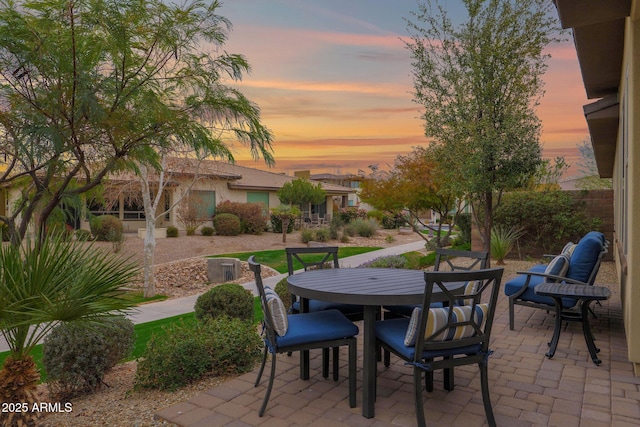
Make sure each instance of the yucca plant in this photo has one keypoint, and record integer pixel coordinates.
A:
(502, 241)
(44, 284)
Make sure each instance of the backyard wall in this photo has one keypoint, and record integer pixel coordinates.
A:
(599, 204)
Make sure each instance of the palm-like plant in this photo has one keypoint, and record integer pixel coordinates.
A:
(502, 240)
(43, 284)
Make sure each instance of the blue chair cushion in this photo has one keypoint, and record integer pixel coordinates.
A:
(306, 328)
(393, 331)
(585, 256)
(317, 305)
(514, 285)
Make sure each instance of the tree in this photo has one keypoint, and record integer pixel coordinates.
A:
(548, 174)
(90, 86)
(414, 186)
(588, 169)
(301, 192)
(480, 83)
(56, 281)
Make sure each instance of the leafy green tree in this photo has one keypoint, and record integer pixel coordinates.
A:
(588, 169)
(479, 83)
(55, 281)
(94, 86)
(301, 192)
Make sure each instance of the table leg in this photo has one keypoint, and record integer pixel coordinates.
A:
(304, 354)
(586, 330)
(369, 362)
(556, 331)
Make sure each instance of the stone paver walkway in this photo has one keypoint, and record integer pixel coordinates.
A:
(527, 389)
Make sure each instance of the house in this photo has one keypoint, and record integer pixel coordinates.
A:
(607, 40)
(345, 180)
(212, 182)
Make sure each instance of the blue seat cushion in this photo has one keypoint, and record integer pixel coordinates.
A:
(393, 331)
(317, 305)
(306, 328)
(514, 285)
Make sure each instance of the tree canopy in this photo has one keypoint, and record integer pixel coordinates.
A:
(479, 83)
(301, 191)
(88, 86)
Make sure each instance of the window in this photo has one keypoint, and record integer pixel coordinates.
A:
(259, 197)
(206, 203)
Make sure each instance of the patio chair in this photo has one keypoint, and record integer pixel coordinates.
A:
(446, 337)
(578, 264)
(284, 333)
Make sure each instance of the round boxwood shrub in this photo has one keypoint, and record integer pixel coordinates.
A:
(172, 231)
(76, 356)
(228, 299)
(106, 228)
(226, 224)
(234, 345)
(207, 231)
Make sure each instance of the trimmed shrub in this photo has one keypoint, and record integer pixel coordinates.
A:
(322, 234)
(106, 228)
(252, 220)
(389, 261)
(77, 356)
(228, 299)
(172, 231)
(392, 222)
(188, 351)
(306, 235)
(351, 213)
(207, 231)
(227, 224)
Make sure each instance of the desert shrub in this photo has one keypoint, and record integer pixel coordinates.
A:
(548, 219)
(76, 356)
(207, 231)
(376, 214)
(228, 299)
(391, 222)
(283, 211)
(502, 241)
(172, 231)
(306, 235)
(174, 359)
(322, 234)
(351, 213)
(106, 228)
(188, 351)
(189, 213)
(252, 220)
(282, 289)
(344, 238)
(83, 235)
(464, 225)
(226, 224)
(389, 261)
(362, 228)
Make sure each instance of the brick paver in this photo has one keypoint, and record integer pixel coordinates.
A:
(527, 388)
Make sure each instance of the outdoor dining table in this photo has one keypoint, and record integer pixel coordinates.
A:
(370, 287)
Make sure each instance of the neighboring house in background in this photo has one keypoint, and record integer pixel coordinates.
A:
(607, 40)
(215, 182)
(345, 180)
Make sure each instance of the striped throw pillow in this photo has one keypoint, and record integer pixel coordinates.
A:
(558, 266)
(437, 318)
(278, 311)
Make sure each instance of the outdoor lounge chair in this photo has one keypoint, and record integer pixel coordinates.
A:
(578, 264)
(446, 337)
(284, 333)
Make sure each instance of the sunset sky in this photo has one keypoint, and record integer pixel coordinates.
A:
(333, 80)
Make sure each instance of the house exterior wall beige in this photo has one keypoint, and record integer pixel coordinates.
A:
(627, 187)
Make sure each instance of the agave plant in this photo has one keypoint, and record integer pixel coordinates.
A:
(44, 284)
(502, 241)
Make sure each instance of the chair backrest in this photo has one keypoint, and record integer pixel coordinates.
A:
(457, 326)
(330, 257)
(458, 260)
(267, 317)
(587, 256)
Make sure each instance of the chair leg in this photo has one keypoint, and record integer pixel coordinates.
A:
(325, 363)
(264, 360)
(336, 362)
(387, 358)
(269, 387)
(417, 390)
(486, 399)
(511, 313)
(353, 356)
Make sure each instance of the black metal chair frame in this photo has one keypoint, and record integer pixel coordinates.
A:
(489, 282)
(274, 348)
(515, 299)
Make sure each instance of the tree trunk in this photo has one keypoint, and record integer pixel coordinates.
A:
(149, 253)
(488, 223)
(285, 227)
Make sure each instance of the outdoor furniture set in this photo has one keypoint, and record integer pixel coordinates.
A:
(454, 331)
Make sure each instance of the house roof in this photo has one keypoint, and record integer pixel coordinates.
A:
(598, 34)
(237, 177)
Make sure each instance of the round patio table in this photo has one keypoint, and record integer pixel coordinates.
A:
(372, 288)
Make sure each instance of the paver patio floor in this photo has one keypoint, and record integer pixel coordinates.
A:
(527, 388)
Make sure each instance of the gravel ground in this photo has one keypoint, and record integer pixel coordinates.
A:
(117, 404)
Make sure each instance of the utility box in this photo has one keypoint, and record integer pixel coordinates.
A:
(220, 270)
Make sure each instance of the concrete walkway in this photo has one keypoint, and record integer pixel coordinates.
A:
(177, 306)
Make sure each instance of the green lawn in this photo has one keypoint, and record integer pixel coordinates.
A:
(277, 259)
